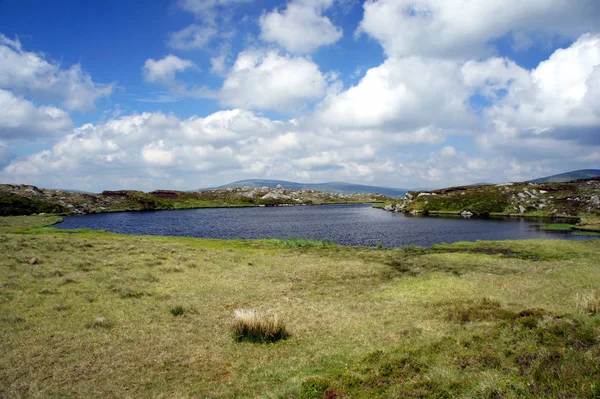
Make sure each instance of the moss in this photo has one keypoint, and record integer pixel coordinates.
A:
(557, 227)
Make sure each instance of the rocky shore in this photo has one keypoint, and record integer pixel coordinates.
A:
(571, 199)
(26, 199)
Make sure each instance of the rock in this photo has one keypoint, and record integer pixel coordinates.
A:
(521, 195)
(504, 184)
(408, 196)
(424, 194)
(398, 207)
(275, 196)
(543, 191)
(595, 200)
(33, 261)
(389, 208)
(466, 214)
(279, 187)
(522, 209)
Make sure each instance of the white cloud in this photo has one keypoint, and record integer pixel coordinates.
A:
(156, 154)
(28, 73)
(301, 27)
(153, 150)
(21, 119)
(448, 151)
(402, 94)
(192, 37)
(164, 70)
(270, 80)
(463, 28)
(555, 102)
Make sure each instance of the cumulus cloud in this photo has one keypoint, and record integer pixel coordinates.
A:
(558, 100)
(22, 119)
(29, 73)
(152, 150)
(164, 72)
(164, 69)
(400, 94)
(463, 28)
(301, 27)
(270, 80)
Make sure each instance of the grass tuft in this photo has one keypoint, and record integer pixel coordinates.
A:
(251, 326)
(100, 322)
(589, 302)
(484, 310)
(177, 310)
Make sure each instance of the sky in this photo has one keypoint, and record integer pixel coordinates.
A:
(186, 94)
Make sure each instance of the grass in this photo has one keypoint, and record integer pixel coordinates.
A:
(299, 243)
(20, 224)
(557, 227)
(589, 302)
(106, 315)
(249, 325)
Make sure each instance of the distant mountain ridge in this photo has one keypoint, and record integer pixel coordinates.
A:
(330, 187)
(569, 176)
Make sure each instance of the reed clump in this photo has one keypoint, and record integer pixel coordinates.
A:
(589, 302)
(252, 326)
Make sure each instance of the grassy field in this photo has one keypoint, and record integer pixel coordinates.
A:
(93, 314)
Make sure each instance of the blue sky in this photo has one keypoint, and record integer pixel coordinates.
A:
(193, 93)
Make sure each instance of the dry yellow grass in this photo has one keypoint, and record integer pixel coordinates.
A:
(589, 302)
(250, 325)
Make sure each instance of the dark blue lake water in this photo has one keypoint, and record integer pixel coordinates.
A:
(344, 224)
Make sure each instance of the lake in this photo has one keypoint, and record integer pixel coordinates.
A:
(344, 224)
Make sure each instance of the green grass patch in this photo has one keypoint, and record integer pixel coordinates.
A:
(557, 227)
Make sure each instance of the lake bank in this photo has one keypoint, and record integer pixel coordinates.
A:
(353, 225)
(94, 314)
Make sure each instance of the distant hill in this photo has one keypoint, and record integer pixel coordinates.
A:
(331, 187)
(569, 176)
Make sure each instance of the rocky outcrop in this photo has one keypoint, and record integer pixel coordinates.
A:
(544, 199)
(28, 199)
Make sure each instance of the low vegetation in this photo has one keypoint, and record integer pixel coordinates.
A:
(107, 315)
(13, 205)
(589, 302)
(557, 227)
(577, 201)
(252, 326)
